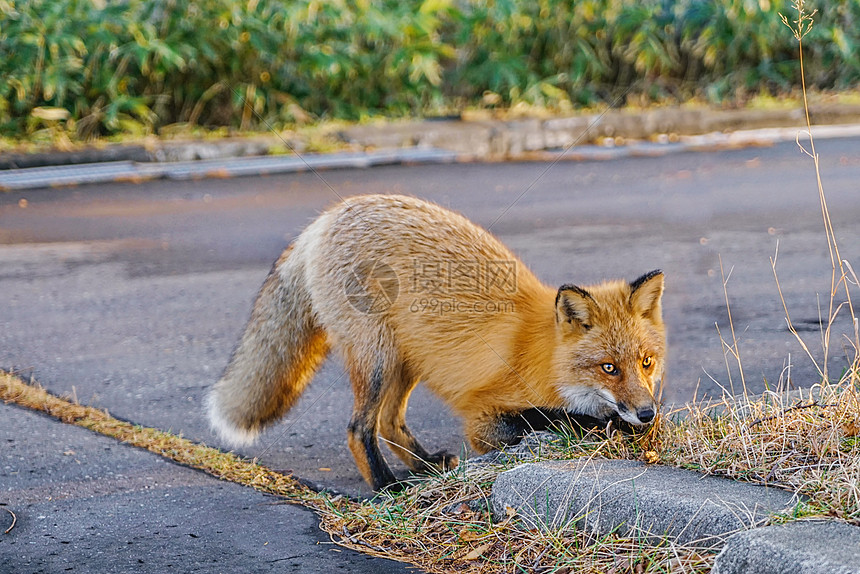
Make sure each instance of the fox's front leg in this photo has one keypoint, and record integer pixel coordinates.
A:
(395, 432)
(497, 430)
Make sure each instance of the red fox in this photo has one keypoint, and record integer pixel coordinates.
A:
(408, 291)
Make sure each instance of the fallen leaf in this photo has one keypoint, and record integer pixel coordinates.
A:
(650, 457)
(477, 552)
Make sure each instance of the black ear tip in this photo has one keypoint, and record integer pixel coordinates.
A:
(634, 285)
(576, 289)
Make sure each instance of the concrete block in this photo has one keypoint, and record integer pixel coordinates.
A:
(803, 547)
(635, 499)
(220, 149)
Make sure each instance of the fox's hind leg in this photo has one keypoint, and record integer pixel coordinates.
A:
(369, 382)
(393, 428)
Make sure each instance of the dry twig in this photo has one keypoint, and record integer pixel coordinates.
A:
(14, 521)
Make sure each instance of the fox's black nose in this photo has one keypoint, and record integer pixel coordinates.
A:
(645, 415)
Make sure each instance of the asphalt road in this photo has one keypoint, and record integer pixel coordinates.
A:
(85, 504)
(131, 297)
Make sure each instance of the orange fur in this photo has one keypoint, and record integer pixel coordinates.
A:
(407, 291)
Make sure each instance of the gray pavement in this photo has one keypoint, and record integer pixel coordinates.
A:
(132, 296)
(86, 503)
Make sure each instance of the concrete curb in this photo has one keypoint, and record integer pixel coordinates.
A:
(620, 133)
(675, 505)
(162, 151)
(804, 547)
(634, 499)
(506, 139)
(119, 171)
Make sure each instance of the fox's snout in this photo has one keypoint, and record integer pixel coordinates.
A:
(641, 415)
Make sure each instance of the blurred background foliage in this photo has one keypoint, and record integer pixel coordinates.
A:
(135, 66)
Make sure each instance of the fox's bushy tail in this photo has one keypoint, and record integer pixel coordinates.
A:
(280, 350)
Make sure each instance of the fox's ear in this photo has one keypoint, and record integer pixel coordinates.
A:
(646, 293)
(573, 306)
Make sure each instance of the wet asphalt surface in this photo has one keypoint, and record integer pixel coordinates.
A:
(131, 298)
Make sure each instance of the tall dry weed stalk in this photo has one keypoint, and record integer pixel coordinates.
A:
(810, 446)
(842, 275)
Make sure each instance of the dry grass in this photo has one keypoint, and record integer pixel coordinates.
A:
(445, 523)
(805, 445)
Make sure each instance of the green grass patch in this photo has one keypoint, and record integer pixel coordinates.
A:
(95, 68)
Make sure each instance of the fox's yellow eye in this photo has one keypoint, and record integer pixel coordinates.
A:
(609, 368)
(647, 362)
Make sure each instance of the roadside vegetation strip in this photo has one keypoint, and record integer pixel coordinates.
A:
(223, 465)
(806, 445)
(90, 69)
(810, 446)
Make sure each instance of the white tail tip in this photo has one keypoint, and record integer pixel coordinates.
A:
(224, 428)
